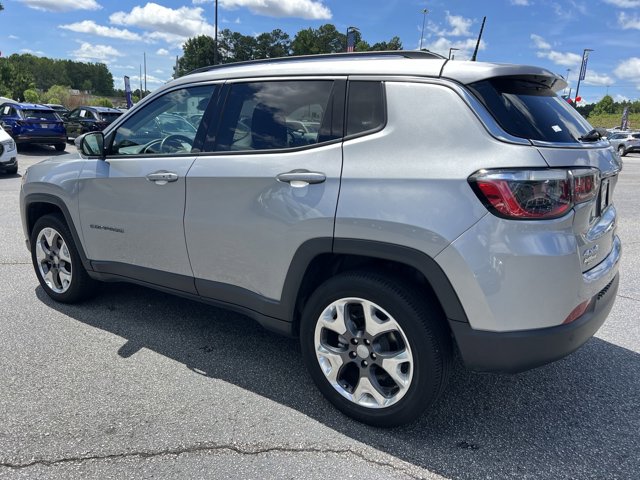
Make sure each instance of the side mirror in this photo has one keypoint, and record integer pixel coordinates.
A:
(91, 144)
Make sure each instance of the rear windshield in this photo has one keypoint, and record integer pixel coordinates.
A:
(528, 109)
(40, 115)
(109, 116)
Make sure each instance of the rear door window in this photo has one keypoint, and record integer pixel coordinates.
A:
(529, 109)
(276, 115)
(365, 107)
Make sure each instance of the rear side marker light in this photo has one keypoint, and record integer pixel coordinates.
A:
(577, 312)
(534, 194)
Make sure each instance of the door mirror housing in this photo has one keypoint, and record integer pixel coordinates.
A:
(91, 144)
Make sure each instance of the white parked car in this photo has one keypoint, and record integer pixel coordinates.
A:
(8, 153)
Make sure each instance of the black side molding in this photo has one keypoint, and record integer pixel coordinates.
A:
(53, 200)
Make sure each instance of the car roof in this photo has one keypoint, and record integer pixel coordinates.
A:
(405, 63)
(31, 106)
(99, 109)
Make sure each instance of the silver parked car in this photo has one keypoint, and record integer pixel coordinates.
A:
(383, 240)
(625, 142)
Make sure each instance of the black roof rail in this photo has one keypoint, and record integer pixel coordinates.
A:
(414, 54)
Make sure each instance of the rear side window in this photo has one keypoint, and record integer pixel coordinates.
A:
(636, 135)
(108, 116)
(529, 109)
(365, 107)
(275, 115)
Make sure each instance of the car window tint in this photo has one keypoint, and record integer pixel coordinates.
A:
(529, 109)
(108, 116)
(274, 115)
(636, 135)
(365, 107)
(166, 126)
(40, 115)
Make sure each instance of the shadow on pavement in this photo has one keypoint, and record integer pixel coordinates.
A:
(39, 151)
(577, 418)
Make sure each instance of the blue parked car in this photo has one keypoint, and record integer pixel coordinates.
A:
(29, 123)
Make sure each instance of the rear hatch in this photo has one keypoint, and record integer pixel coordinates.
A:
(526, 106)
(41, 123)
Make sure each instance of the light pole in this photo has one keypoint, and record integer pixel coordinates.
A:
(583, 70)
(451, 50)
(566, 79)
(424, 19)
(215, 37)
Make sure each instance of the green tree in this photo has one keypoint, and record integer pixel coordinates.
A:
(57, 94)
(325, 39)
(31, 96)
(272, 45)
(606, 105)
(102, 102)
(198, 52)
(393, 44)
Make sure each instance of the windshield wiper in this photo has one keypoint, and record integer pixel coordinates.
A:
(593, 136)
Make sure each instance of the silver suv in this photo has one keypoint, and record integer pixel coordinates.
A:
(383, 240)
(625, 142)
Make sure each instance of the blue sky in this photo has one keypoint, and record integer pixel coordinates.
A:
(549, 33)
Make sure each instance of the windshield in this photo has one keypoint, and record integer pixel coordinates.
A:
(528, 109)
(40, 115)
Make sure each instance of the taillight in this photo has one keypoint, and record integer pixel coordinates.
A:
(534, 194)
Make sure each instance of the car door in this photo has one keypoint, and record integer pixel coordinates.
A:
(132, 203)
(71, 123)
(265, 190)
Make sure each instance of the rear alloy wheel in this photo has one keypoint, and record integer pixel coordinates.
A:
(60, 147)
(57, 263)
(375, 348)
(621, 151)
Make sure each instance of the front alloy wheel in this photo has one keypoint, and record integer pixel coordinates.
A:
(54, 260)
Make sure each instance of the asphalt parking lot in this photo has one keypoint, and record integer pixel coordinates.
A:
(138, 384)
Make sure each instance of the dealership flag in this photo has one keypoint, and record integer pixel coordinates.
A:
(127, 91)
(624, 125)
(351, 40)
(583, 68)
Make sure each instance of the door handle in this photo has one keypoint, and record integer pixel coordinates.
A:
(301, 178)
(162, 177)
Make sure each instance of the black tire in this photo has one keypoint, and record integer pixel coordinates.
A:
(621, 151)
(423, 324)
(60, 147)
(81, 285)
(12, 170)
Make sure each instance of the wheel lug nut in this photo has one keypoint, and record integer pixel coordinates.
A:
(366, 342)
(353, 354)
(373, 356)
(354, 341)
(365, 363)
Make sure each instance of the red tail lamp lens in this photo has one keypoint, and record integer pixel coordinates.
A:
(577, 312)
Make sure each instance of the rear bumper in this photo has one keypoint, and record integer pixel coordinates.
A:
(37, 139)
(513, 352)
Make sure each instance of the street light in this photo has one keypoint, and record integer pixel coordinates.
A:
(424, 19)
(583, 70)
(566, 79)
(450, 50)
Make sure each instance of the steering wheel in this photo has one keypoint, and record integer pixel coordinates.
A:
(174, 141)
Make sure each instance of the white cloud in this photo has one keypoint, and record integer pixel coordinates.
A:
(566, 59)
(465, 47)
(540, 42)
(628, 21)
(174, 26)
(90, 27)
(307, 9)
(600, 79)
(13, 37)
(62, 5)
(158, 71)
(459, 26)
(123, 67)
(624, 3)
(629, 69)
(162, 52)
(101, 53)
(521, 3)
(37, 53)
(621, 98)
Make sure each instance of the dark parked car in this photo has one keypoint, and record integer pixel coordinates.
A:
(30, 123)
(59, 109)
(89, 119)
